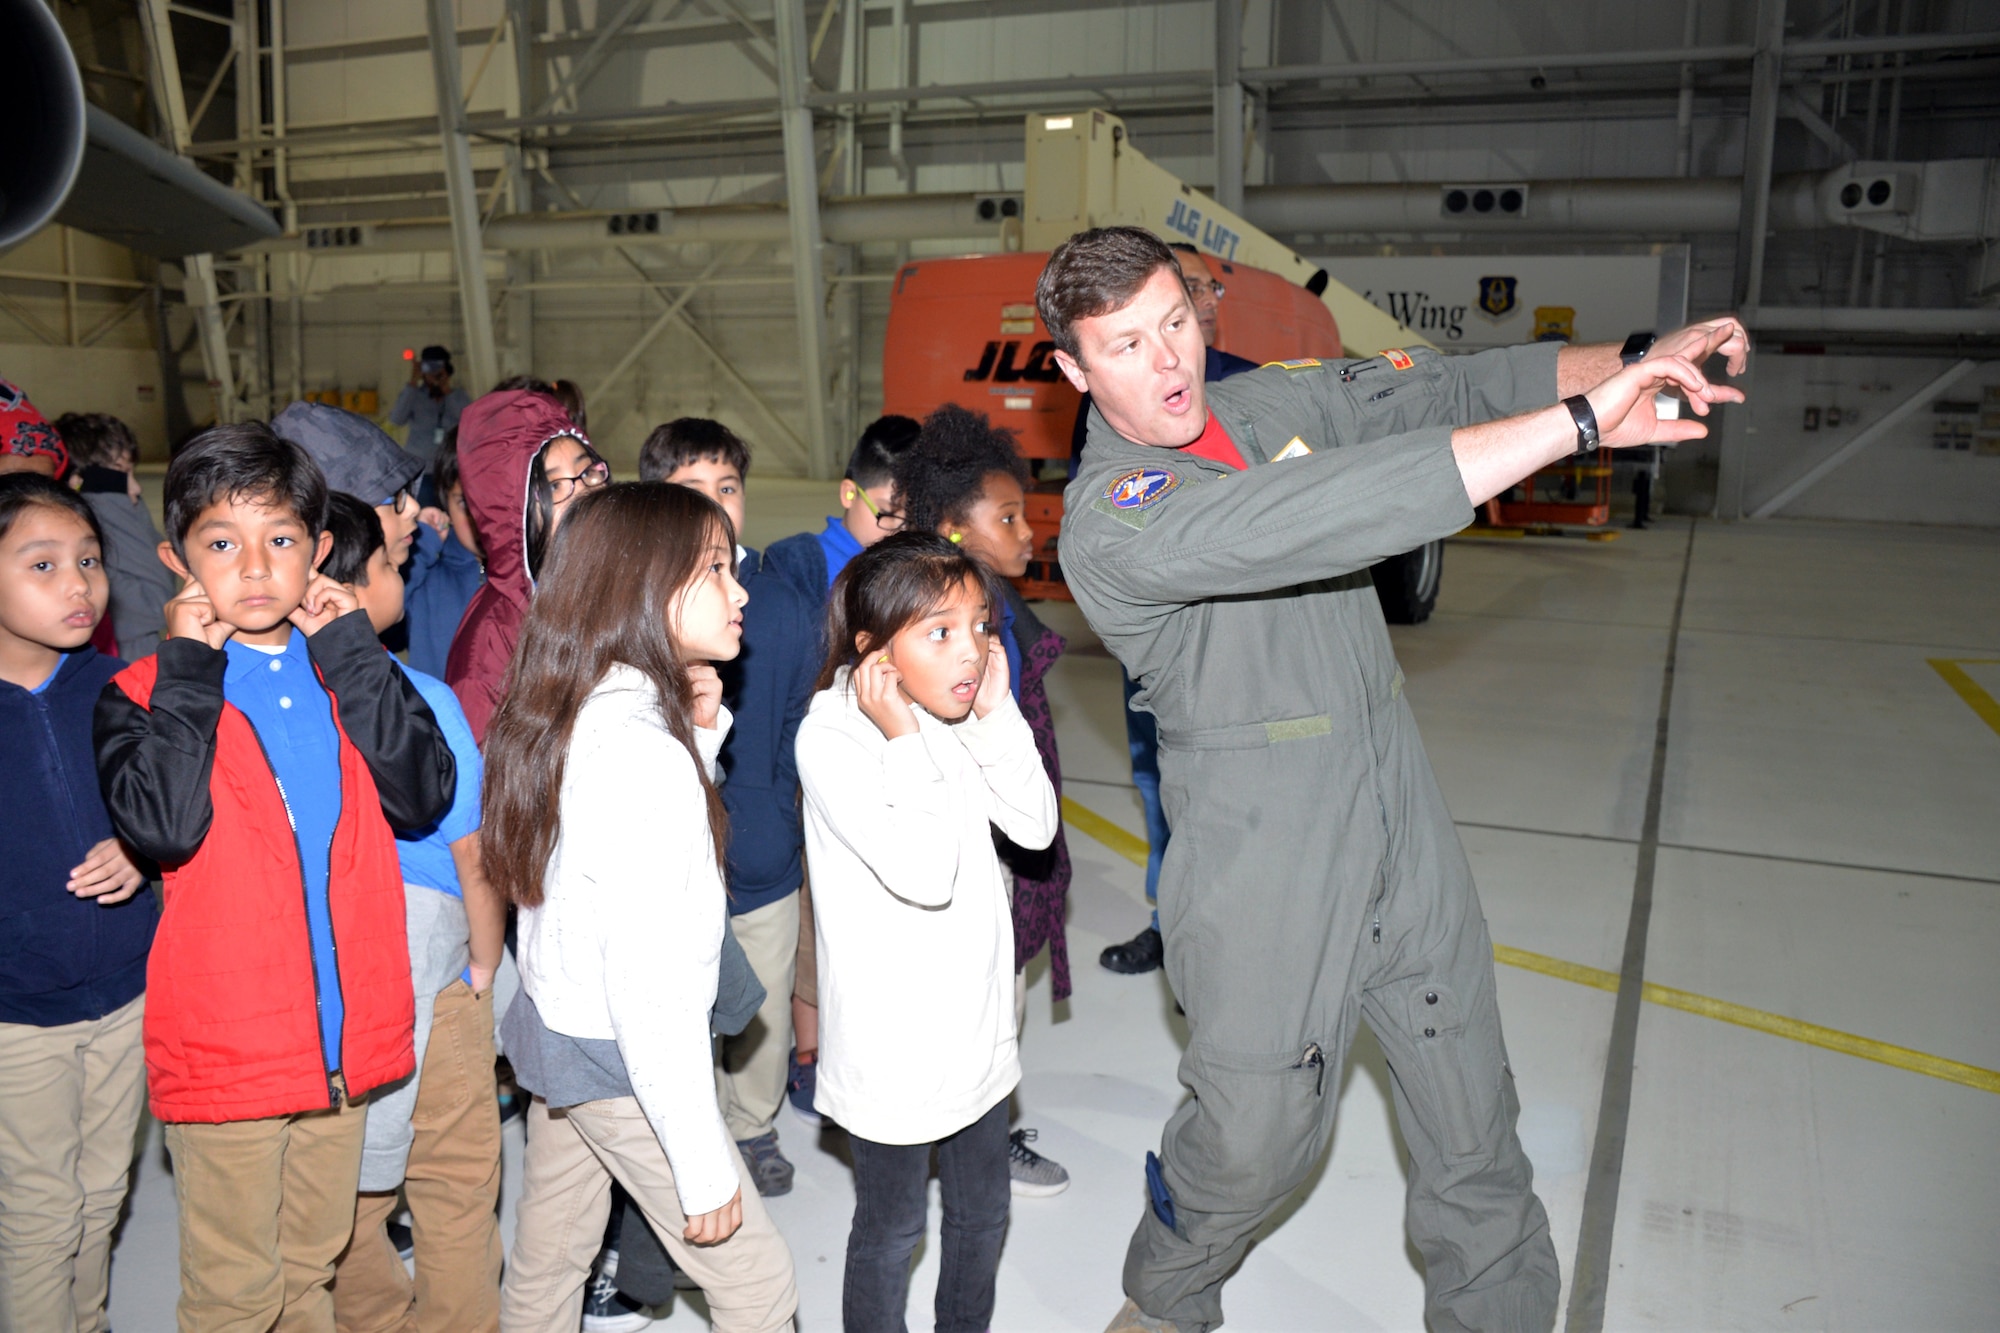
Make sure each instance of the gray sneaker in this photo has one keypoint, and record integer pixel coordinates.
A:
(1033, 1176)
(768, 1166)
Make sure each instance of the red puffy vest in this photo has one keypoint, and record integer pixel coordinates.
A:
(232, 1020)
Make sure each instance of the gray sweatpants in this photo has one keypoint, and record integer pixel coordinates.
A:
(1312, 882)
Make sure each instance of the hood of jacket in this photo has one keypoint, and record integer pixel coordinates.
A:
(498, 438)
(356, 455)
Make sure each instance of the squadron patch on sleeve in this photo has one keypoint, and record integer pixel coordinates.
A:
(1131, 494)
(1399, 358)
(1141, 487)
(1303, 363)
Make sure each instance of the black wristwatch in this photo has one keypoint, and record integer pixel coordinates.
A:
(1637, 346)
(1586, 423)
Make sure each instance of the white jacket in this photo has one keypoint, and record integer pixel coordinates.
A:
(627, 941)
(916, 940)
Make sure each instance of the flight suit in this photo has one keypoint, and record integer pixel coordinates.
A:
(1315, 875)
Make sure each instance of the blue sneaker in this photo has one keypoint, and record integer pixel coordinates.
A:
(800, 1083)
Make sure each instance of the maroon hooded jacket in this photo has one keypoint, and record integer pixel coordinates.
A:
(498, 439)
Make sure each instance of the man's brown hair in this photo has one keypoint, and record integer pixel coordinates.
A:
(1094, 272)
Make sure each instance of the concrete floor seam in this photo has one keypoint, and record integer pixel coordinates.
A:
(1590, 1273)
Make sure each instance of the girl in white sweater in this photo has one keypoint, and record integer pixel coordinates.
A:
(604, 828)
(910, 750)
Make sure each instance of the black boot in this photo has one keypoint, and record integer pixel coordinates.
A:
(1141, 953)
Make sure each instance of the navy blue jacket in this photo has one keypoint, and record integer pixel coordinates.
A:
(767, 689)
(63, 959)
(801, 561)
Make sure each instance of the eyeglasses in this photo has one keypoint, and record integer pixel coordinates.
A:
(1200, 287)
(402, 502)
(886, 519)
(592, 477)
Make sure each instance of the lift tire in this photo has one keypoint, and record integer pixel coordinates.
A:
(1407, 585)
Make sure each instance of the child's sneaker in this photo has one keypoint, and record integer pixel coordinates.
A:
(1033, 1176)
(609, 1310)
(801, 1081)
(400, 1235)
(768, 1166)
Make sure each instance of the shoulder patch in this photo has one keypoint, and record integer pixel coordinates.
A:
(1141, 488)
(1294, 448)
(1399, 358)
(1303, 363)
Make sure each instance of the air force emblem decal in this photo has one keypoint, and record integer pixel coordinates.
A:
(1496, 297)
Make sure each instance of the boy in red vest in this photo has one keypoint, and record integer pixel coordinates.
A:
(262, 768)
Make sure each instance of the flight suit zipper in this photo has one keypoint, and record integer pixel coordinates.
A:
(305, 897)
(1347, 375)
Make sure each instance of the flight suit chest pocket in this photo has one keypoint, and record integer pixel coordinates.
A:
(1460, 1055)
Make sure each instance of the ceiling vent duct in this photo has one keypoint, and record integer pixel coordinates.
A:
(1483, 201)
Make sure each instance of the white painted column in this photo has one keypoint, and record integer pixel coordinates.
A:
(802, 201)
(468, 254)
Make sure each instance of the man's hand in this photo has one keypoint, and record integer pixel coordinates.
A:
(107, 874)
(878, 688)
(190, 615)
(325, 602)
(1625, 409)
(718, 1226)
(1696, 343)
(707, 688)
(997, 683)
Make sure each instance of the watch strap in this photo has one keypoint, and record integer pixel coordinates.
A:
(1585, 417)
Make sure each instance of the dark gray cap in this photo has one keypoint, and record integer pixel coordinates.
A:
(356, 455)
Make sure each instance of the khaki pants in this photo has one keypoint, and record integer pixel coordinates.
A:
(453, 1185)
(805, 982)
(266, 1207)
(70, 1100)
(750, 1074)
(573, 1155)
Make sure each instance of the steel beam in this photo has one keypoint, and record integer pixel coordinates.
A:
(1229, 104)
(467, 253)
(200, 291)
(1759, 141)
(802, 210)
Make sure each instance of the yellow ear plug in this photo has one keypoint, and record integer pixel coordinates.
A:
(957, 537)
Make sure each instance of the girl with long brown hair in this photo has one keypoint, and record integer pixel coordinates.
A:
(603, 826)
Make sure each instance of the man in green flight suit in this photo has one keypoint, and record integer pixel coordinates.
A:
(1218, 538)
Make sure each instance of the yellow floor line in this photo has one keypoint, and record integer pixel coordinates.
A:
(1758, 1020)
(1133, 849)
(1969, 689)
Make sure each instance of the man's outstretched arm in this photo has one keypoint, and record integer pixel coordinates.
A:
(1587, 365)
(1494, 456)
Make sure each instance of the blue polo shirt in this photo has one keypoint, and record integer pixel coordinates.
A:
(281, 694)
(426, 852)
(839, 545)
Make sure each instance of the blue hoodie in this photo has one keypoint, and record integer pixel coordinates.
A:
(63, 959)
(438, 584)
